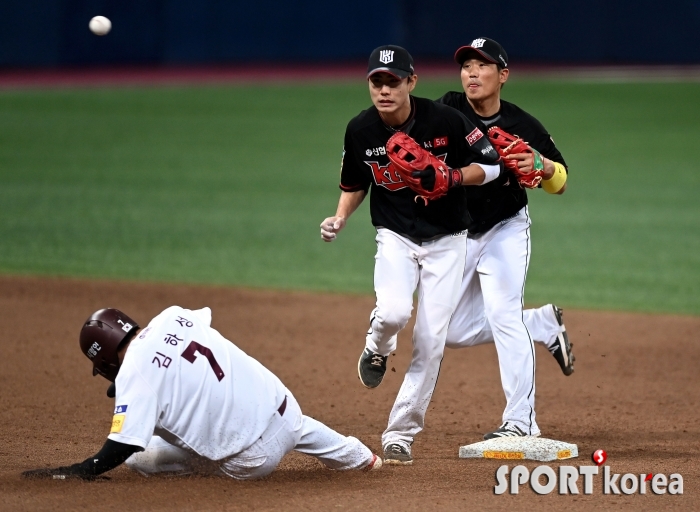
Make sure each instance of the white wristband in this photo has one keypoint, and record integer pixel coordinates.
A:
(491, 171)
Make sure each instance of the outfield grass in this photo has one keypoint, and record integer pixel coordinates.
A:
(228, 185)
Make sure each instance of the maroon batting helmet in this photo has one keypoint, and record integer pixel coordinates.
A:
(101, 337)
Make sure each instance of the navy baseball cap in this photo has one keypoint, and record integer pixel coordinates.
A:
(390, 59)
(489, 49)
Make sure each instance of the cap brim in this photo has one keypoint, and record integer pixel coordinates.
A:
(398, 73)
(464, 49)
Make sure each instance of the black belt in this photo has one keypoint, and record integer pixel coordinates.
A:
(283, 407)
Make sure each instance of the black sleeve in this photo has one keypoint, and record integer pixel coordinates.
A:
(109, 457)
(352, 177)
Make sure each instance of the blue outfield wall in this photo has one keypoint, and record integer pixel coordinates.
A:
(50, 33)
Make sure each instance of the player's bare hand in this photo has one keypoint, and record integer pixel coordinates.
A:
(330, 228)
(526, 162)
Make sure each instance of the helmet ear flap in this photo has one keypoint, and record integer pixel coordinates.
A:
(100, 338)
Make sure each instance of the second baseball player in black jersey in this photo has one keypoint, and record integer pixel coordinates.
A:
(498, 246)
(419, 246)
(503, 197)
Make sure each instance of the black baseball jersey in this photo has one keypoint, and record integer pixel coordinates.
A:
(446, 133)
(503, 197)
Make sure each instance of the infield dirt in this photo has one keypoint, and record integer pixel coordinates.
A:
(634, 394)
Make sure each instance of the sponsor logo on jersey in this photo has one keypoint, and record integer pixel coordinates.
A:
(381, 150)
(117, 423)
(478, 43)
(386, 56)
(440, 142)
(120, 409)
(486, 150)
(460, 233)
(474, 136)
(386, 177)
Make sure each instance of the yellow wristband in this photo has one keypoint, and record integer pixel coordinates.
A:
(557, 181)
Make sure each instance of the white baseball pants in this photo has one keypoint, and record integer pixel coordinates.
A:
(471, 331)
(491, 307)
(289, 431)
(434, 269)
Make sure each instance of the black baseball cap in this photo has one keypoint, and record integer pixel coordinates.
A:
(489, 49)
(390, 59)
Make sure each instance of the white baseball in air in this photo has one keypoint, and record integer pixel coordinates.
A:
(100, 26)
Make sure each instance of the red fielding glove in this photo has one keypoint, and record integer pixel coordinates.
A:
(507, 144)
(428, 176)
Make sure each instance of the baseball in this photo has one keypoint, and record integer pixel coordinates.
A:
(100, 26)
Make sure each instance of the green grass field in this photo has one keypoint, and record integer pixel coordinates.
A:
(228, 185)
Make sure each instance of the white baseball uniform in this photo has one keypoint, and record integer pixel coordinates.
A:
(492, 300)
(184, 382)
(498, 255)
(420, 245)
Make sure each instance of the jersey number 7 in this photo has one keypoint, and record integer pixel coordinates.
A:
(190, 354)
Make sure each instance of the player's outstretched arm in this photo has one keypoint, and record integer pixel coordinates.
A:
(347, 204)
(109, 457)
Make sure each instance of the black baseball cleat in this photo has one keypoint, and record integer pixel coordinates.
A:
(506, 430)
(371, 368)
(562, 349)
(397, 454)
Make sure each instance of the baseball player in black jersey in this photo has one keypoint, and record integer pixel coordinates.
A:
(419, 246)
(498, 246)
